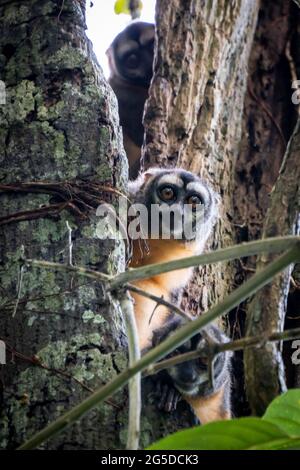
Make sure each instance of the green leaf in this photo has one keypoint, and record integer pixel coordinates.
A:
(243, 433)
(122, 6)
(284, 412)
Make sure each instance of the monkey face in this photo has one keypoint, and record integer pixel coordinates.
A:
(131, 54)
(192, 377)
(180, 205)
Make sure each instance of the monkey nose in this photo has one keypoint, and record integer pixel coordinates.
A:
(188, 375)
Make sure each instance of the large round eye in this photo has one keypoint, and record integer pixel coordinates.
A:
(194, 200)
(167, 193)
(132, 61)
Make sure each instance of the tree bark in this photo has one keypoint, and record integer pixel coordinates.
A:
(59, 124)
(204, 113)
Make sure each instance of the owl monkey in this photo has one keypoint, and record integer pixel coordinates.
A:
(180, 189)
(130, 58)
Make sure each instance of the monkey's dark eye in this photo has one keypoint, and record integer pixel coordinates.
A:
(167, 193)
(194, 200)
(132, 61)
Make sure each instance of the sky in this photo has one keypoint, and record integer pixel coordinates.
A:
(103, 25)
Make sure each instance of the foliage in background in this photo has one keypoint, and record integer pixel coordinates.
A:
(123, 6)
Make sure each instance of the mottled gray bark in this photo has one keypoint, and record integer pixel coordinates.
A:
(59, 124)
(264, 370)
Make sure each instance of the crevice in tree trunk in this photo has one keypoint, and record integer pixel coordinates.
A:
(269, 120)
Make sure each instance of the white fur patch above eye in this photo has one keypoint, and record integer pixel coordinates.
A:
(198, 188)
(146, 36)
(128, 46)
(171, 179)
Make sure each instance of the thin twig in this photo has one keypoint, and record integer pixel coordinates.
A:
(135, 382)
(36, 361)
(61, 9)
(20, 283)
(51, 209)
(9, 304)
(270, 115)
(160, 301)
(73, 269)
(293, 70)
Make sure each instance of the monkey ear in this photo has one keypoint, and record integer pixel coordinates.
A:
(150, 173)
(147, 175)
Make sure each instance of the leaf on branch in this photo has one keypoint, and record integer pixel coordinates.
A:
(123, 6)
(279, 428)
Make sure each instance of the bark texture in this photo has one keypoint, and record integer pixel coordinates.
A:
(59, 124)
(269, 119)
(264, 370)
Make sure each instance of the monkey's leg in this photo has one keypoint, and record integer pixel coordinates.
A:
(210, 408)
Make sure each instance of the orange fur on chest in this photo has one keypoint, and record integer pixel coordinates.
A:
(162, 251)
(162, 285)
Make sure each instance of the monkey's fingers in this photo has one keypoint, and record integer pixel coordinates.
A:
(169, 398)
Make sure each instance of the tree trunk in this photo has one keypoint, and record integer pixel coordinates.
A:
(264, 369)
(206, 115)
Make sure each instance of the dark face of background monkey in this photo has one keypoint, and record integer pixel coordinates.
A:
(131, 62)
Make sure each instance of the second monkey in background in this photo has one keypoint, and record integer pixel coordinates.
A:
(130, 59)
